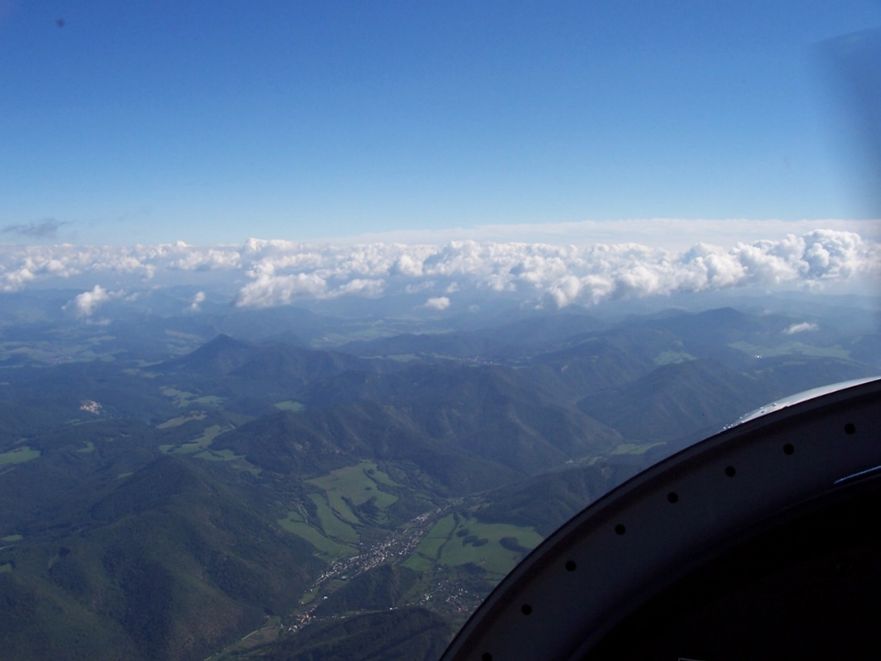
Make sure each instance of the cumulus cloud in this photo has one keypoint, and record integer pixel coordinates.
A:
(277, 272)
(800, 328)
(41, 229)
(438, 303)
(197, 301)
(268, 289)
(84, 305)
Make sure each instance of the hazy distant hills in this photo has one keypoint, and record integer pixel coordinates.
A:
(496, 412)
(272, 364)
(697, 395)
(289, 485)
(507, 339)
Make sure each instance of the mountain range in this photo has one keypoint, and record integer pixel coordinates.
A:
(185, 491)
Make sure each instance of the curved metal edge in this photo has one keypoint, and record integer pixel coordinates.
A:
(797, 398)
(566, 593)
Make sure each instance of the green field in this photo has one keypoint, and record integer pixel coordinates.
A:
(296, 524)
(6, 568)
(332, 522)
(182, 420)
(355, 485)
(196, 445)
(208, 400)
(431, 545)
(458, 540)
(236, 461)
(19, 455)
(183, 398)
(219, 455)
(334, 530)
(14, 537)
(291, 405)
(790, 348)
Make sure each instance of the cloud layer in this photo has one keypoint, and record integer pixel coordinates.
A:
(275, 272)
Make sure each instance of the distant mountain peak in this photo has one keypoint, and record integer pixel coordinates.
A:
(222, 353)
(223, 340)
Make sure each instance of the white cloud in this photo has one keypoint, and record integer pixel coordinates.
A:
(360, 287)
(438, 303)
(85, 304)
(267, 289)
(800, 328)
(198, 299)
(91, 406)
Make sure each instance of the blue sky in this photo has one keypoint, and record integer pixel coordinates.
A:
(212, 122)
